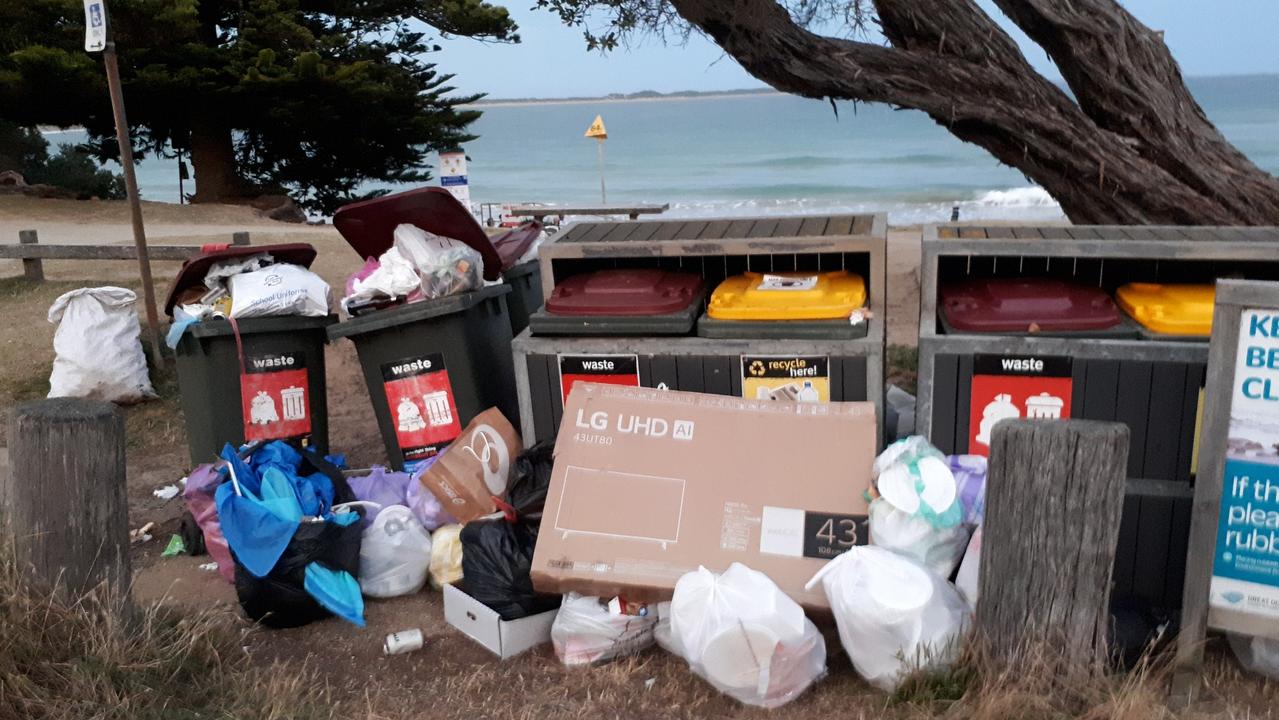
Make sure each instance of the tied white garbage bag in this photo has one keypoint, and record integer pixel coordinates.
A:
(281, 289)
(918, 512)
(395, 553)
(99, 353)
(1257, 654)
(968, 578)
(588, 632)
(893, 614)
(743, 635)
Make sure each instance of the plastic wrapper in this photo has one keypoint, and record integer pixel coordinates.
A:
(586, 632)
(280, 289)
(1257, 654)
(970, 483)
(98, 347)
(894, 615)
(496, 557)
(395, 553)
(744, 636)
(917, 511)
(967, 580)
(390, 276)
(220, 272)
(446, 556)
(383, 487)
(425, 506)
(444, 266)
(198, 495)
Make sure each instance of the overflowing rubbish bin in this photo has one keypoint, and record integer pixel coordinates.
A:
(250, 351)
(799, 316)
(435, 351)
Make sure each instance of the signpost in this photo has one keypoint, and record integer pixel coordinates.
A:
(1232, 566)
(96, 40)
(597, 131)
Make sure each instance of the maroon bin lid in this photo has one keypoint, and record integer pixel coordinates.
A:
(1014, 304)
(512, 244)
(369, 226)
(194, 270)
(624, 293)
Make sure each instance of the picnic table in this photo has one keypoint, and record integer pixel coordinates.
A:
(537, 212)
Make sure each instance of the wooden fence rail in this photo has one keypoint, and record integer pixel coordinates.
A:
(32, 253)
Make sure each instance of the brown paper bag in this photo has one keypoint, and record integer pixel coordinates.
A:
(475, 467)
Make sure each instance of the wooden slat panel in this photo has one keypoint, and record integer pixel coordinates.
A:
(840, 225)
(1178, 544)
(1199, 234)
(764, 228)
(1163, 424)
(740, 229)
(540, 389)
(853, 372)
(813, 226)
(1126, 549)
(1133, 408)
(668, 230)
(620, 232)
(1083, 233)
(999, 233)
(1026, 233)
(1078, 387)
(577, 231)
(1101, 390)
(1054, 232)
(689, 368)
(663, 371)
(691, 230)
(862, 224)
(963, 403)
(596, 233)
(735, 375)
(949, 233)
(645, 231)
(557, 397)
(945, 377)
(838, 393)
(1137, 232)
(973, 233)
(1153, 531)
(716, 375)
(37, 251)
(715, 230)
(788, 227)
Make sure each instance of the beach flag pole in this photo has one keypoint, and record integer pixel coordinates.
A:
(597, 131)
(96, 40)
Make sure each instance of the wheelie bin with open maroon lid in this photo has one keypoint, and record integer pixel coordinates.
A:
(622, 302)
(433, 365)
(277, 361)
(1031, 306)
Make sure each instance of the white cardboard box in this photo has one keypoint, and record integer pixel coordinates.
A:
(504, 638)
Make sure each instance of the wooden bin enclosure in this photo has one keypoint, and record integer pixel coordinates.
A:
(1153, 386)
(715, 249)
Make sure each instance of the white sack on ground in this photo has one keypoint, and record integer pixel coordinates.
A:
(894, 615)
(98, 347)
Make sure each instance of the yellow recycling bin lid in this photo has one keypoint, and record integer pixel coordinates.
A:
(788, 296)
(1169, 309)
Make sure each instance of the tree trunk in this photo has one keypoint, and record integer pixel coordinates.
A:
(213, 156)
(950, 60)
(64, 497)
(1054, 495)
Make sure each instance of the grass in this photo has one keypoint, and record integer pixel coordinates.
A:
(73, 660)
(902, 369)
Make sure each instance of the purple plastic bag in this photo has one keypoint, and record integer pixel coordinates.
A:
(202, 483)
(366, 270)
(425, 506)
(970, 481)
(382, 486)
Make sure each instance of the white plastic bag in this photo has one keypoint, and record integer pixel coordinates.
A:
(586, 632)
(98, 350)
(1257, 654)
(743, 635)
(445, 266)
(394, 277)
(894, 615)
(918, 511)
(220, 272)
(395, 552)
(280, 289)
(967, 579)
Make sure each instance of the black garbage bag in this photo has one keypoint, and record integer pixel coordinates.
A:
(279, 599)
(530, 480)
(496, 558)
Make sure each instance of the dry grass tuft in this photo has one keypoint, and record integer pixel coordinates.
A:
(86, 659)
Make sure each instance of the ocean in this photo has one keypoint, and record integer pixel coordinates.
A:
(770, 154)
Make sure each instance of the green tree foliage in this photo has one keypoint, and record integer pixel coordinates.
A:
(315, 97)
(72, 169)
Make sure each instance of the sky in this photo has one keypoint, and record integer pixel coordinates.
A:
(1222, 37)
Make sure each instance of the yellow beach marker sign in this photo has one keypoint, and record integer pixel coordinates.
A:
(596, 130)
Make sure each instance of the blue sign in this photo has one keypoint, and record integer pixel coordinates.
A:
(453, 180)
(1248, 528)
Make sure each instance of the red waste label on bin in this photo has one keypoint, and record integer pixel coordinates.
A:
(420, 397)
(607, 369)
(274, 397)
(1016, 386)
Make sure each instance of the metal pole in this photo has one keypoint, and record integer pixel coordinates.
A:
(135, 201)
(603, 192)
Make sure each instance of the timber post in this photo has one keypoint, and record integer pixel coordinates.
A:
(32, 268)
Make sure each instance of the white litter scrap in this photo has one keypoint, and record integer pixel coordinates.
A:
(209, 567)
(168, 492)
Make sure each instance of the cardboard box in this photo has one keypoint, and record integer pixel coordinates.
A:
(649, 484)
(504, 638)
(475, 467)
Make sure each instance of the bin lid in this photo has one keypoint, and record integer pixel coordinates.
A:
(788, 296)
(193, 270)
(625, 293)
(1170, 309)
(1015, 304)
(512, 244)
(369, 226)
